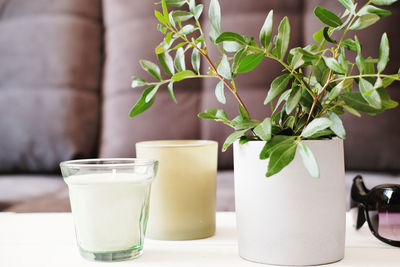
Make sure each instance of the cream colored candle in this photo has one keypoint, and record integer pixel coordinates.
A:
(182, 202)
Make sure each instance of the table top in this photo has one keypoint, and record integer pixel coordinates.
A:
(48, 239)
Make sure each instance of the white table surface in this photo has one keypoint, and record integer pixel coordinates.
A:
(41, 240)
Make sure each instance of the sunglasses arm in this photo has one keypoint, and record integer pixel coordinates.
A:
(359, 191)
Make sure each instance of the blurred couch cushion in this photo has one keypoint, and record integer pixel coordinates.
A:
(27, 186)
(50, 193)
(33, 193)
(50, 77)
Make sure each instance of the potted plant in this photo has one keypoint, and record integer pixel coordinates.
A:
(289, 218)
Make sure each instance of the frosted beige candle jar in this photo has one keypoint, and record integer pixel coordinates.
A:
(182, 202)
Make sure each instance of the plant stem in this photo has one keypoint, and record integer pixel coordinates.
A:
(217, 75)
(233, 90)
(319, 95)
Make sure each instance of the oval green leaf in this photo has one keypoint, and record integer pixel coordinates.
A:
(365, 21)
(197, 11)
(250, 62)
(309, 161)
(352, 111)
(383, 2)
(332, 64)
(171, 91)
(232, 47)
(232, 138)
(315, 126)
(175, 3)
(167, 63)
(152, 93)
(327, 17)
(283, 97)
(214, 14)
(356, 101)
(337, 126)
(137, 82)
(219, 92)
(230, 36)
(181, 15)
(196, 59)
(188, 29)
(183, 75)
(142, 105)
(151, 68)
(164, 9)
(350, 44)
(348, 4)
(264, 130)
(370, 95)
(319, 35)
(179, 61)
(273, 144)
(160, 17)
(383, 53)
(335, 92)
(224, 69)
(215, 114)
(266, 30)
(283, 38)
(293, 100)
(243, 112)
(237, 59)
(374, 10)
(278, 85)
(326, 35)
(281, 157)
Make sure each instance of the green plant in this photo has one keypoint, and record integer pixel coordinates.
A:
(317, 84)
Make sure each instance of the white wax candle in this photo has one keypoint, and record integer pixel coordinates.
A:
(109, 210)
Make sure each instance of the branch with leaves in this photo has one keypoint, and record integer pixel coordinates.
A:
(318, 84)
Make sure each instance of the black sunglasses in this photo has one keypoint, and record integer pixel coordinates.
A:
(380, 207)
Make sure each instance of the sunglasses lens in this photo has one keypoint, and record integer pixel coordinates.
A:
(385, 213)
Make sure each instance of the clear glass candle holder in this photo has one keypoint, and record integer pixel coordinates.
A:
(109, 202)
(182, 202)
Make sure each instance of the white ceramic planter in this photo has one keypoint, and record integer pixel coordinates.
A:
(290, 218)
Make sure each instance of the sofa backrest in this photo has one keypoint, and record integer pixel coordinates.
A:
(50, 65)
(60, 99)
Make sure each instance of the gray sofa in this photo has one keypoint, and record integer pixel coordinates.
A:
(65, 92)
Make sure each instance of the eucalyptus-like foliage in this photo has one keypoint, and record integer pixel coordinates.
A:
(318, 82)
